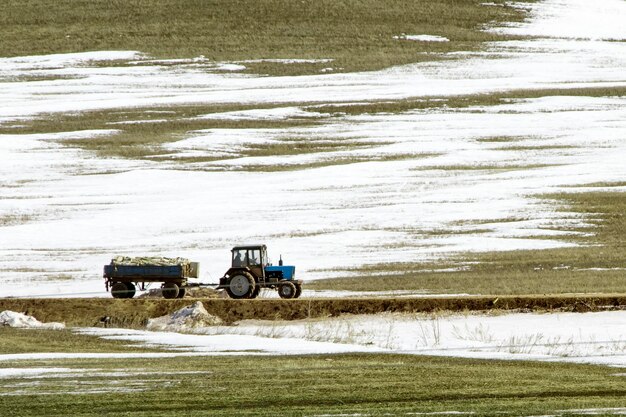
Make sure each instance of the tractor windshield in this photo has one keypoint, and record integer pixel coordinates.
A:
(247, 257)
(254, 257)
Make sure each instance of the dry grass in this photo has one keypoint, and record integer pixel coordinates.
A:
(355, 34)
(465, 101)
(134, 313)
(483, 167)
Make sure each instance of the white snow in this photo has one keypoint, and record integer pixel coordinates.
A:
(13, 319)
(227, 344)
(594, 338)
(591, 338)
(279, 113)
(573, 19)
(6, 373)
(422, 38)
(64, 212)
(184, 319)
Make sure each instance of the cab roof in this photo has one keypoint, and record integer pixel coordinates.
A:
(259, 246)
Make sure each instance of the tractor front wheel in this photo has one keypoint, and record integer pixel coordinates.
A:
(241, 286)
(287, 290)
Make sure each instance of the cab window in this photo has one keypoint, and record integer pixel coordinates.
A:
(239, 258)
(254, 257)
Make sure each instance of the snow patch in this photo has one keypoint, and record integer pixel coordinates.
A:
(184, 319)
(286, 61)
(19, 320)
(422, 38)
(8, 373)
(280, 113)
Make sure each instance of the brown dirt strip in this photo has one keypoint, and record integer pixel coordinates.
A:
(136, 312)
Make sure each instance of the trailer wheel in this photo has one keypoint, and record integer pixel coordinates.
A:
(241, 286)
(298, 290)
(119, 290)
(130, 290)
(181, 292)
(287, 290)
(170, 290)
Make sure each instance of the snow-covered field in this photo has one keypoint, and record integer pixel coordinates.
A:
(593, 338)
(60, 225)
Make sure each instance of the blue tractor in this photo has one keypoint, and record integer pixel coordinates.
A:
(251, 271)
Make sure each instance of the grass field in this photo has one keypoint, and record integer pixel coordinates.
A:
(141, 133)
(309, 385)
(596, 266)
(325, 36)
(37, 341)
(359, 384)
(464, 101)
(355, 35)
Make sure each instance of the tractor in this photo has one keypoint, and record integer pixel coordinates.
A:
(251, 271)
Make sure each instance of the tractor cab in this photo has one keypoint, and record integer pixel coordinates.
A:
(251, 257)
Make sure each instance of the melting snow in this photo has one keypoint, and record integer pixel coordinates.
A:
(594, 338)
(13, 319)
(422, 38)
(321, 219)
(184, 319)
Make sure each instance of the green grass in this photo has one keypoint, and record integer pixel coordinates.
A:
(357, 384)
(356, 34)
(548, 271)
(38, 341)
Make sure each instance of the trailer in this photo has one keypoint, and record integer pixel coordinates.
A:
(124, 275)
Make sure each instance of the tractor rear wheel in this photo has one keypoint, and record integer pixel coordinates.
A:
(256, 292)
(298, 290)
(130, 290)
(241, 285)
(119, 290)
(287, 290)
(170, 290)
